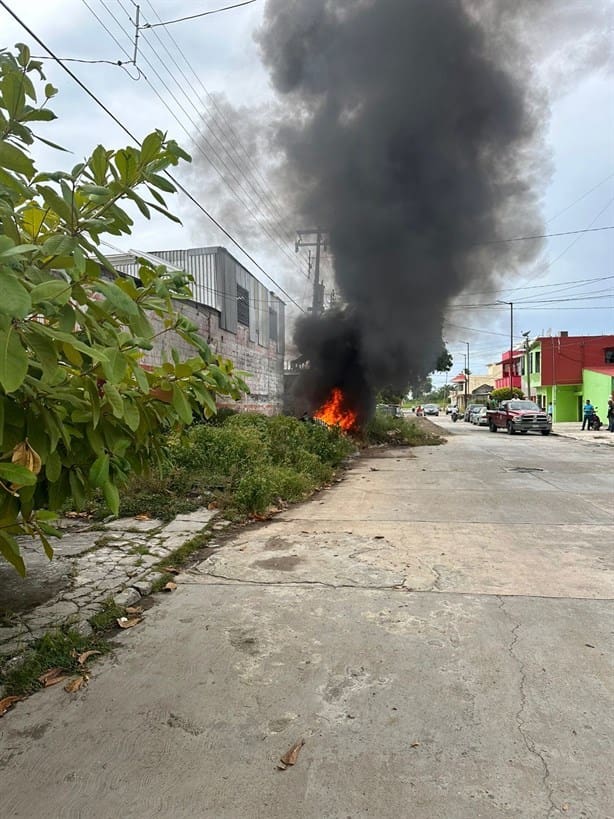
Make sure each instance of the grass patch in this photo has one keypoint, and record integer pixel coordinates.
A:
(183, 553)
(139, 550)
(55, 649)
(161, 582)
(386, 429)
(248, 464)
(106, 618)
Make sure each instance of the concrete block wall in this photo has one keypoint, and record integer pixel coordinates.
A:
(264, 364)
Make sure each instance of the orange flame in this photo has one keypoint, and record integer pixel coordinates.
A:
(334, 413)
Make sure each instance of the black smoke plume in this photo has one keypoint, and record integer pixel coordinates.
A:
(411, 134)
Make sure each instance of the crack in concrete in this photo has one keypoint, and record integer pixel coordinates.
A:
(528, 741)
(320, 583)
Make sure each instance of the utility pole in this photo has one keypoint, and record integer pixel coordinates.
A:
(467, 372)
(528, 361)
(314, 238)
(511, 304)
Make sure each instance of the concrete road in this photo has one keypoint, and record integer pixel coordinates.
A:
(436, 628)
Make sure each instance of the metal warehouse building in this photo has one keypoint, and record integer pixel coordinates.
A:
(239, 317)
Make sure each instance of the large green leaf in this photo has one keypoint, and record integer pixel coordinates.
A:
(118, 299)
(16, 474)
(181, 405)
(53, 290)
(13, 360)
(9, 549)
(111, 496)
(14, 159)
(99, 470)
(114, 367)
(114, 399)
(14, 298)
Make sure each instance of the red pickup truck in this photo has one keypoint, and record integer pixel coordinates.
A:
(519, 416)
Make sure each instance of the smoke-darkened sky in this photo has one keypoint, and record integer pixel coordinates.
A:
(412, 132)
(568, 40)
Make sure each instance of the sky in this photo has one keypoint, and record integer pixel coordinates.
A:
(213, 61)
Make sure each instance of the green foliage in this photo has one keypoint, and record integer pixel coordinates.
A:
(505, 393)
(389, 395)
(58, 649)
(78, 410)
(444, 361)
(107, 617)
(385, 429)
(246, 464)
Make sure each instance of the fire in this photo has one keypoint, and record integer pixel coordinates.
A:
(334, 413)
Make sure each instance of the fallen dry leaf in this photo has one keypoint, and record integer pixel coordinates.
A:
(565, 806)
(171, 570)
(415, 745)
(291, 755)
(52, 677)
(170, 586)
(124, 622)
(144, 516)
(83, 658)
(77, 683)
(7, 703)
(212, 505)
(134, 610)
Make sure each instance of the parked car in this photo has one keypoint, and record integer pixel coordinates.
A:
(519, 416)
(471, 408)
(480, 418)
(431, 409)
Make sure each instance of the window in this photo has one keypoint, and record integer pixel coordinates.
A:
(538, 362)
(242, 305)
(272, 324)
(609, 355)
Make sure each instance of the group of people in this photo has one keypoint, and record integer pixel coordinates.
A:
(590, 417)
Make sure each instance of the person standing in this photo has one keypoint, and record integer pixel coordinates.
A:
(588, 411)
(610, 414)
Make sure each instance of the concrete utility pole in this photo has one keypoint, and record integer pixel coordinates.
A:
(318, 240)
(511, 304)
(528, 360)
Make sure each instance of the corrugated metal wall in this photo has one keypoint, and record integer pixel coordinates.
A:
(216, 274)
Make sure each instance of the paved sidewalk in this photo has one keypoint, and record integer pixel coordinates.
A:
(91, 565)
(573, 429)
(436, 628)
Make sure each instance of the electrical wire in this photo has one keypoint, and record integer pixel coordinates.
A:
(236, 140)
(580, 198)
(197, 145)
(126, 130)
(202, 14)
(219, 137)
(546, 235)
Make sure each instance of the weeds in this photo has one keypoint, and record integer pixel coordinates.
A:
(386, 429)
(107, 618)
(247, 463)
(57, 649)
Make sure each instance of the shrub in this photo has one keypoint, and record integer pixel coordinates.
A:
(386, 429)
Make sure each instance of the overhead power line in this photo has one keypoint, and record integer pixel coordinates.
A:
(546, 235)
(126, 130)
(201, 14)
(580, 198)
(191, 136)
(240, 183)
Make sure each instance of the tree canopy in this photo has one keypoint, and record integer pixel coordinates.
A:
(79, 411)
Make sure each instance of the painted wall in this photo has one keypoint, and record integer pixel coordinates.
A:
(598, 387)
(563, 358)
